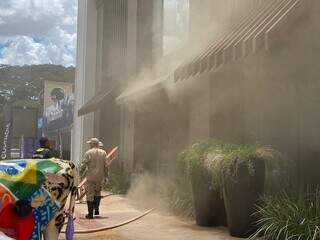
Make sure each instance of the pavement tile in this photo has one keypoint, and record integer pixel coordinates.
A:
(156, 226)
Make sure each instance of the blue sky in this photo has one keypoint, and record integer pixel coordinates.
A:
(38, 32)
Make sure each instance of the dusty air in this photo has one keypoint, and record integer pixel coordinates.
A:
(159, 119)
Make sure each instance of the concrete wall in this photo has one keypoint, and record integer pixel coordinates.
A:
(199, 110)
(273, 97)
(226, 121)
(161, 131)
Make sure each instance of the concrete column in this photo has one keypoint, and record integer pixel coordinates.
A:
(132, 37)
(85, 75)
(99, 62)
(149, 33)
(127, 136)
(100, 32)
(127, 111)
(157, 29)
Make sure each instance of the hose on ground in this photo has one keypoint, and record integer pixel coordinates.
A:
(112, 226)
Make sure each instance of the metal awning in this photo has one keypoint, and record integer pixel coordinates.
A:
(245, 37)
(94, 103)
(145, 87)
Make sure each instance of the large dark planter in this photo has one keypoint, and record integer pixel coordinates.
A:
(241, 192)
(208, 204)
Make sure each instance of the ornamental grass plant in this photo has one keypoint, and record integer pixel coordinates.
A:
(119, 182)
(190, 160)
(216, 157)
(220, 161)
(289, 216)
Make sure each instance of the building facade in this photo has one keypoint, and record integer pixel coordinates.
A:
(156, 75)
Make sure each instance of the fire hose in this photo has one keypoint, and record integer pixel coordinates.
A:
(112, 226)
(107, 227)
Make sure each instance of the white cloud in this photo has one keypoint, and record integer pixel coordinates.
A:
(38, 31)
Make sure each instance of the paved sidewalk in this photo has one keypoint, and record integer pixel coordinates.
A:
(155, 226)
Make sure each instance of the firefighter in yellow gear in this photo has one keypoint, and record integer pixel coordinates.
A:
(45, 151)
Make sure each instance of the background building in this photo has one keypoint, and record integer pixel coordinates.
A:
(35, 100)
(57, 117)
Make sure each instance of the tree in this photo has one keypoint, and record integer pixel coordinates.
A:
(25, 83)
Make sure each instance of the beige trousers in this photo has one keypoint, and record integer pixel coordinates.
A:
(92, 189)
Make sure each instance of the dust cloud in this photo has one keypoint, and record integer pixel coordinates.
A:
(208, 21)
(162, 107)
(149, 191)
(267, 98)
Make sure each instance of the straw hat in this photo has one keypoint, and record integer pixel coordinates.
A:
(94, 141)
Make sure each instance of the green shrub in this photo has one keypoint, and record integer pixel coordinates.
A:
(181, 199)
(287, 217)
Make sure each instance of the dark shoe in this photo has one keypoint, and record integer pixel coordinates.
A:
(90, 210)
(96, 204)
(89, 216)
